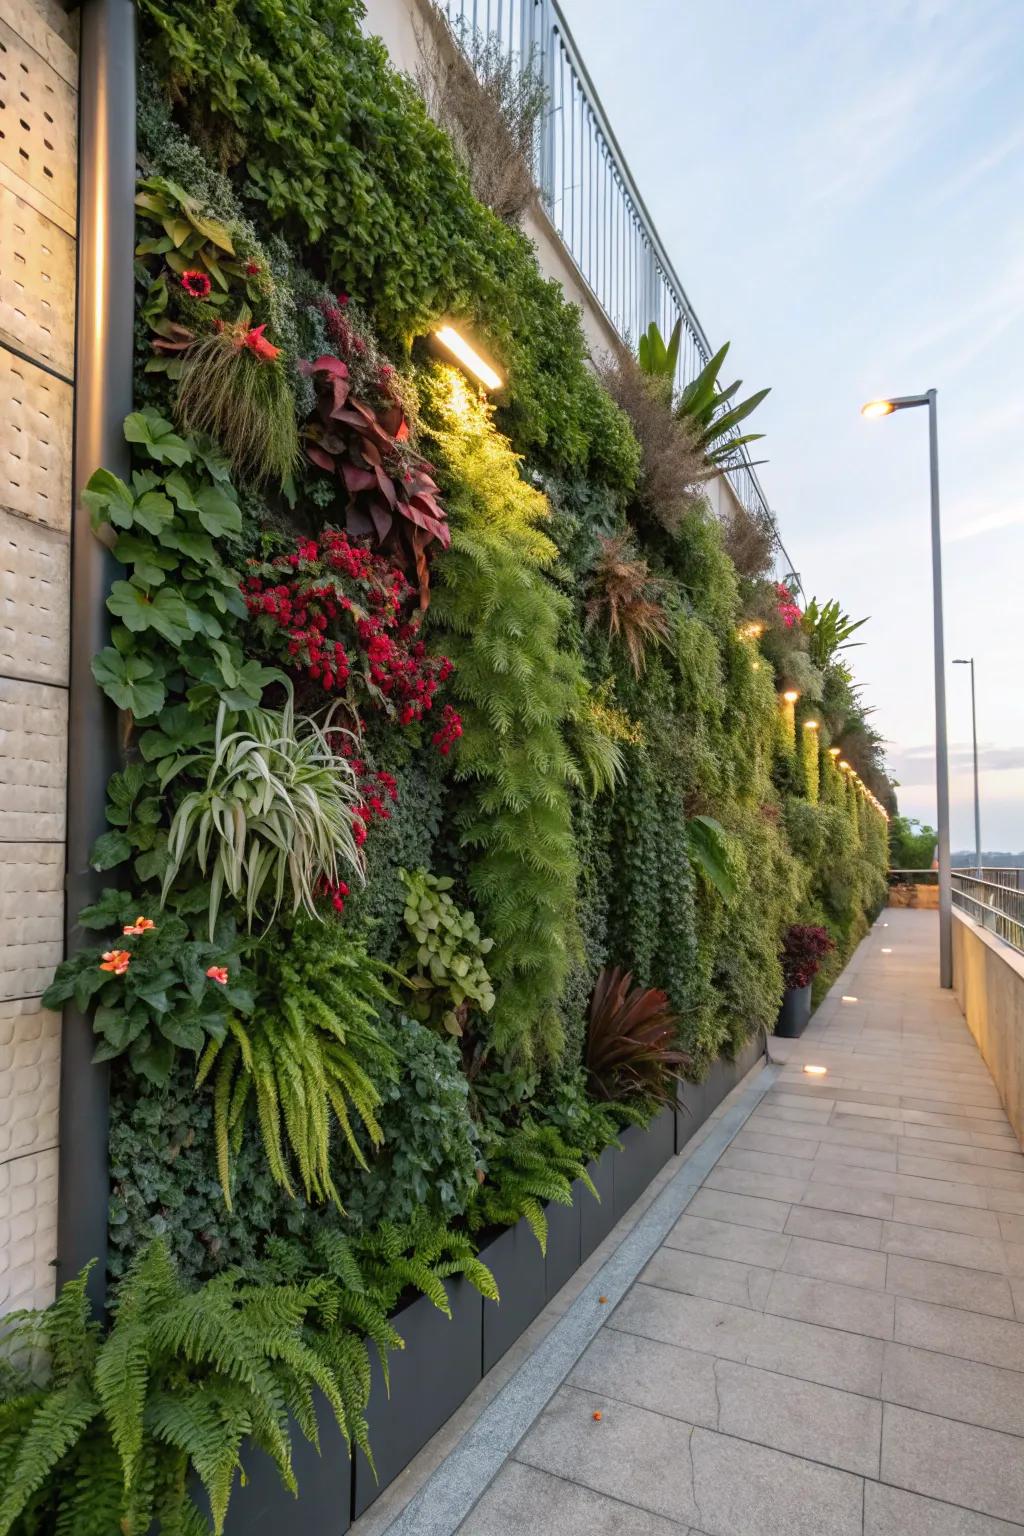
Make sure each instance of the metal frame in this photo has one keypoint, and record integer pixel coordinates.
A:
(593, 202)
(994, 898)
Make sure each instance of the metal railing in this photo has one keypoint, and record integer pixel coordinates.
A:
(995, 899)
(592, 200)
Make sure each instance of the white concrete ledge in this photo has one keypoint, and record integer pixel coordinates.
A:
(988, 978)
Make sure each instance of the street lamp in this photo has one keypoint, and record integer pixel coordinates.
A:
(886, 407)
(968, 661)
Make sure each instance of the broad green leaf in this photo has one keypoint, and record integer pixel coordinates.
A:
(109, 500)
(156, 436)
(164, 611)
(109, 850)
(129, 682)
(219, 513)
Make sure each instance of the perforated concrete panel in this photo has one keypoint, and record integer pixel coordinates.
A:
(38, 196)
(37, 284)
(33, 761)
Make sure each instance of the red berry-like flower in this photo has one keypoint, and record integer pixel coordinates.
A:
(196, 284)
(252, 268)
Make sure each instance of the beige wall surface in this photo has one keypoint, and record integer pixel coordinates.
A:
(988, 978)
(38, 197)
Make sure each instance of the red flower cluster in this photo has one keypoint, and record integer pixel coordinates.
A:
(335, 893)
(334, 612)
(450, 731)
(788, 611)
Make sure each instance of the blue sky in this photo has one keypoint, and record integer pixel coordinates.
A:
(841, 189)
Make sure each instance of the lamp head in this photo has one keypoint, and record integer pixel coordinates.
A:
(875, 408)
(791, 695)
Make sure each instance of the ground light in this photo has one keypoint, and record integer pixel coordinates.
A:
(810, 725)
(790, 695)
(846, 999)
(468, 357)
(814, 1071)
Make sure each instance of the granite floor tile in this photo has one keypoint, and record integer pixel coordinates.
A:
(980, 1469)
(951, 1285)
(728, 1240)
(916, 1212)
(741, 1489)
(698, 1274)
(835, 1261)
(777, 1164)
(829, 1304)
(894, 1512)
(744, 1210)
(834, 1227)
(853, 1202)
(763, 1186)
(986, 1395)
(665, 1378)
(951, 1331)
(971, 1251)
(523, 1501)
(839, 1429)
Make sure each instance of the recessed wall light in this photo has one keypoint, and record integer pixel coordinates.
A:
(468, 357)
(814, 1071)
(847, 999)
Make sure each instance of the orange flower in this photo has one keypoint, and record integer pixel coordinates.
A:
(218, 973)
(140, 925)
(116, 961)
(597, 1415)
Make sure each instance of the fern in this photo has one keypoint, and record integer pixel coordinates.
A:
(309, 1057)
(526, 1168)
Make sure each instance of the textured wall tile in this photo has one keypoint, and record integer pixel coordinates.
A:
(37, 284)
(35, 443)
(28, 1230)
(34, 599)
(33, 761)
(29, 1078)
(31, 917)
(38, 120)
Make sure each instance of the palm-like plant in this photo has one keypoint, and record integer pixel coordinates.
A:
(275, 813)
(702, 404)
(627, 597)
(828, 630)
(631, 1039)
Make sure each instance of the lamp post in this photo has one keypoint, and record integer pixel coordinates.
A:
(886, 407)
(968, 661)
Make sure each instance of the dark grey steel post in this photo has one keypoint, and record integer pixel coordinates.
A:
(103, 397)
(885, 407)
(968, 661)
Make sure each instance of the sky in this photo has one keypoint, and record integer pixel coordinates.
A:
(841, 191)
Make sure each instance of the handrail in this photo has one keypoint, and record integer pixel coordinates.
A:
(996, 906)
(593, 202)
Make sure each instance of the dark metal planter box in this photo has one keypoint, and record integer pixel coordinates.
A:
(795, 1013)
(597, 1217)
(517, 1264)
(264, 1507)
(699, 1100)
(430, 1378)
(642, 1155)
(563, 1256)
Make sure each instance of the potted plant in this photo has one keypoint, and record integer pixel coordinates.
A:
(803, 949)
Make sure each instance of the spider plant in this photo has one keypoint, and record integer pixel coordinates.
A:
(274, 816)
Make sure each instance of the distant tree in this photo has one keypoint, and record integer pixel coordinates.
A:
(911, 845)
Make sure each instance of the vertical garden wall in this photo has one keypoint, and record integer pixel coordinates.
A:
(474, 774)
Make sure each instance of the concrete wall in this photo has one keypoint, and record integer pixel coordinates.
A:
(38, 200)
(988, 978)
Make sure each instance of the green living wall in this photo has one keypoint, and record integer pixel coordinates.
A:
(460, 811)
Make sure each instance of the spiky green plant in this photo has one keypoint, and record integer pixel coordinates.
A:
(308, 1056)
(701, 404)
(275, 813)
(527, 1167)
(828, 630)
(234, 386)
(97, 1435)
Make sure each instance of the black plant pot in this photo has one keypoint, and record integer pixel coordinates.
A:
(642, 1154)
(563, 1255)
(431, 1377)
(597, 1217)
(795, 1013)
(264, 1507)
(517, 1264)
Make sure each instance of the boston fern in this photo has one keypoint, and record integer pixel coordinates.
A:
(525, 1168)
(97, 1434)
(308, 1055)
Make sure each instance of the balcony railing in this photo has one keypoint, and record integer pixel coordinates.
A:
(995, 899)
(592, 200)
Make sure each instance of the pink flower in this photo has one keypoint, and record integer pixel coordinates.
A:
(140, 925)
(116, 961)
(219, 974)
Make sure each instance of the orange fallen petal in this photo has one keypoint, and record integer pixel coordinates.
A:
(597, 1415)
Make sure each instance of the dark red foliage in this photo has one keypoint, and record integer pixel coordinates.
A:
(631, 1039)
(803, 949)
(337, 614)
(391, 495)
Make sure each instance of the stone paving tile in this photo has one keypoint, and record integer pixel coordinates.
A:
(850, 1361)
(845, 1156)
(854, 1202)
(764, 1186)
(723, 1206)
(764, 1141)
(1008, 1200)
(523, 1501)
(640, 1457)
(980, 1394)
(951, 1285)
(962, 1171)
(834, 1227)
(726, 1240)
(973, 1252)
(818, 1423)
(909, 1184)
(751, 1160)
(746, 1490)
(836, 1261)
(665, 1378)
(951, 1331)
(1011, 1227)
(697, 1274)
(945, 1218)
(831, 1305)
(893, 1512)
(980, 1469)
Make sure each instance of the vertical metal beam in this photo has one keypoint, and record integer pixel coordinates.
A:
(941, 743)
(103, 397)
(977, 789)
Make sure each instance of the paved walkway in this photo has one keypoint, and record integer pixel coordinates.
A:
(830, 1340)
